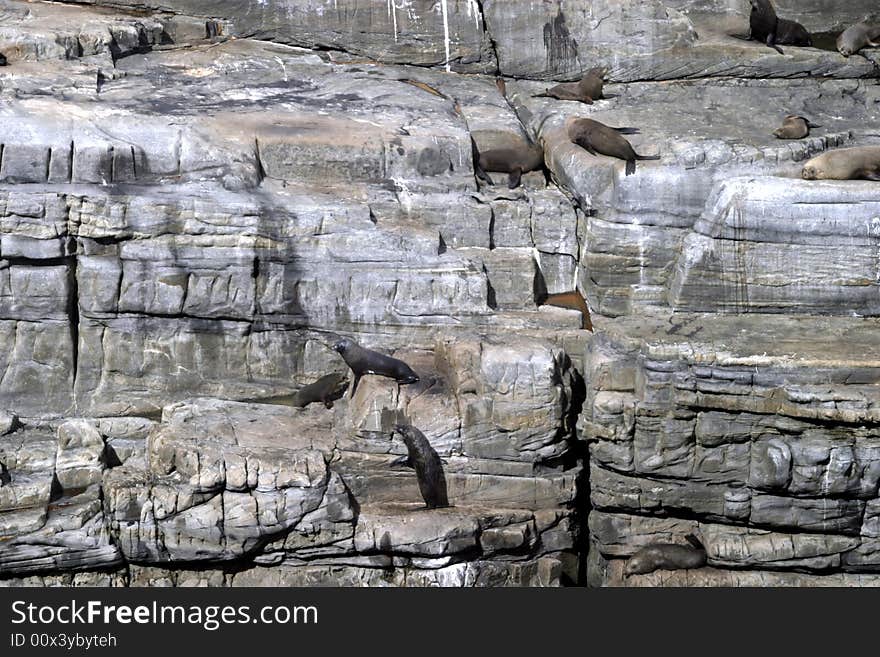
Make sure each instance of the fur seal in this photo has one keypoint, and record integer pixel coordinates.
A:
(860, 162)
(326, 390)
(765, 26)
(598, 138)
(794, 127)
(586, 90)
(667, 556)
(858, 36)
(514, 161)
(366, 361)
(2, 59)
(426, 462)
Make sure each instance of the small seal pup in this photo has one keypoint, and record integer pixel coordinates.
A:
(598, 138)
(858, 36)
(366, 361)
(326, 390)
(667, 556)
(586, 90)
(794, 127)
(513, 160)
(426, 462)
(860, 162)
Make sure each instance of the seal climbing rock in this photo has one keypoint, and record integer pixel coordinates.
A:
(366, 361)
(667, 556)
(326, 390)
(858, 36)
(426, 462)
(794, 127)
(860, 162)
(600, 139)
(514, 161)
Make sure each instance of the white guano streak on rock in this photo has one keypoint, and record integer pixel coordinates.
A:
(446, 32)
(474, 10)
(392, 12)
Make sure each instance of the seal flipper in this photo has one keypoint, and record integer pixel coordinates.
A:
(630, 167)
(403, 461)
(628, 131)
(647, 157)
(693, 540)
(771, 42)
(872, 175)
(514, 179)
(354, 385)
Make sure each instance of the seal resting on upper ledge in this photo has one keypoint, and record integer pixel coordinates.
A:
(794, 127)
(765, 26)
(366, 361)
(326, 390)
(512, 160)
(667, 556)
(598, 138)
(586, 90)
(858, 36)
(858, 163)
(426, 462)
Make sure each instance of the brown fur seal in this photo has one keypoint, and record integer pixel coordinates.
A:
(426, 462)
(514, 161)
(765, 26)
(861, 162)
(366, 361)
(326, 390)
(667, 556)
(858, 36)
(586, 90)
(598, 138)
(794, 127)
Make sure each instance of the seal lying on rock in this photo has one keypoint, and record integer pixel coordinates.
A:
(426, 462)
(598, 138)
(765, 26)
(586, 90)
(860, 162)
(858, 36)
(366, 361)
(513, 160)
(326, 390)
(794, 127)
(667, 556)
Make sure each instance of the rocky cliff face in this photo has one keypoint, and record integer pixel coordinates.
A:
(196, 199)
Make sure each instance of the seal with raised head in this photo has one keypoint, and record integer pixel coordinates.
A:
(326, 390)
(512, 160)
(857, 163)
(858, 36)
(600, 139)
(426, 462)
(794, 127)
(366, 361)
(765, 26)
(667, 556)
(585, 90)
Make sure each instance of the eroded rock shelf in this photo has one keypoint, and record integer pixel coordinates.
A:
(195, 200)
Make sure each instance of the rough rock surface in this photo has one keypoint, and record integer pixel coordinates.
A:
(195, 200)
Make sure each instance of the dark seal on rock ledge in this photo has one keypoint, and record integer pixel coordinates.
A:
(794, 127)
(426, 462)
(598, 138)
(514, 161)
(765, 26)
(861, 162)
(667, 556)
(366, 361)
(586, 90)
(2, 59)
(326, 390)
